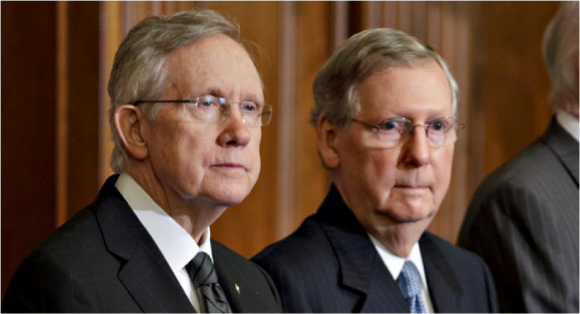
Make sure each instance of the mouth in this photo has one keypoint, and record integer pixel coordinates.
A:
(411, 187)
(412, 190)
(229, 166)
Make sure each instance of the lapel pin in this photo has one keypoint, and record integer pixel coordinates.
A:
(237, 288)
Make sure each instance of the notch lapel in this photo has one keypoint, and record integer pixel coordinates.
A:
(444, 288)
(145, 274)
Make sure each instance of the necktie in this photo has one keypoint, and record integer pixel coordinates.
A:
(410, 285)
(205, 280)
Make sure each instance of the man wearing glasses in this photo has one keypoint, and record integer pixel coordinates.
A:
(186, 117)
(385, 120)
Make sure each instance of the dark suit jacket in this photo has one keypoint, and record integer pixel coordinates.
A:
(103, 260)
(330, 265)
(523, 221)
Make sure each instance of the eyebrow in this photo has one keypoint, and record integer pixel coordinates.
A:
(216, 91)
(435, 117)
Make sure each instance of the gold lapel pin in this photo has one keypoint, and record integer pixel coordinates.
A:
(237, 288)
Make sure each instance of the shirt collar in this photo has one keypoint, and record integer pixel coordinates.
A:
(395, 263)
(176, 245)
(568, 122)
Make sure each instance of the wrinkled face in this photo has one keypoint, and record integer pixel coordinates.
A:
(217, 162)
(406, 183)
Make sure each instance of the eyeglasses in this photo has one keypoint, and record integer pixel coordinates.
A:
(396, 131)
(208, 109)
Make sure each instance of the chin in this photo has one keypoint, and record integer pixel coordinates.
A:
(229, 197)
(226, 202)
(408, 214)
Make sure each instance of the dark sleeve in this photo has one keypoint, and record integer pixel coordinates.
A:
(514, 231)
(42, 284)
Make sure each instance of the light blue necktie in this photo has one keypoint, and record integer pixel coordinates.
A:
(410, 285)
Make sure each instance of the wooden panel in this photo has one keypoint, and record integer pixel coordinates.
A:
(455, 35)
(405, 12)
(475, 125)
(83, 104)
(433, 17)
(463, 163)
(421, 26)
(389, 14)
(28, 129)
(514, 82)
(339, 15)
(285, 189)
(62, 88)
(110, 34)
(371, 15)
(314, 46)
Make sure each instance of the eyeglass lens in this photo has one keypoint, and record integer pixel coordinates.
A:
(209, 108)
(393, 132)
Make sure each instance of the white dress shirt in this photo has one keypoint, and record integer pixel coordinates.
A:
(176, 245)
(395, 263)
(568, 122)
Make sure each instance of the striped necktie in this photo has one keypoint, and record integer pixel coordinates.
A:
(205, 280)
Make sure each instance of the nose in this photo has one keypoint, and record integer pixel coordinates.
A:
(235, 132)
(416, 152)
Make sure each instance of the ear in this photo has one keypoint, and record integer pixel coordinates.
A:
(128, 122)
(326, 139)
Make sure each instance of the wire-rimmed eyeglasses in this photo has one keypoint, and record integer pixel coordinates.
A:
(396, 131)
(209, 108)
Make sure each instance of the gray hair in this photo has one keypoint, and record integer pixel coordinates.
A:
(138, 72)
(560, 48)
(335, 87)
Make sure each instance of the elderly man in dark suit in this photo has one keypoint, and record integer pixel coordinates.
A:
(386, 127)
(186, 117)
(523, 219)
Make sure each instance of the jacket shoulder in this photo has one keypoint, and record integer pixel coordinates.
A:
(308, 244)
(247, 285)
(61, 261)
(456, 255)
(461, 269)
(536, 164)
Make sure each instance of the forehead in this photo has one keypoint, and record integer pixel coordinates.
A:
(406, 90)
(214, 62)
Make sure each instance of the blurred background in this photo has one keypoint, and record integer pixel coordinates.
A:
(57, 56)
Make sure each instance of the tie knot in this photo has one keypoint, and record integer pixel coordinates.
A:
(201, 270)
(409, 280)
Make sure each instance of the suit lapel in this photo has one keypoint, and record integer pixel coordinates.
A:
(361, 268)
(238, 282)
(145, 274)
(444, 288)
(564, 146)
